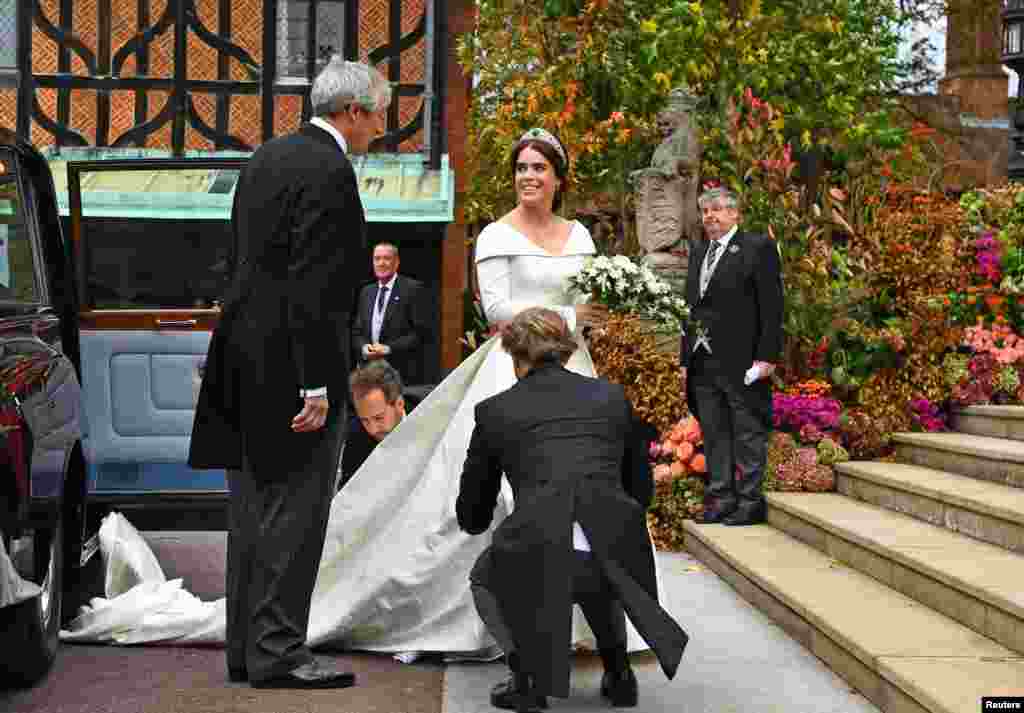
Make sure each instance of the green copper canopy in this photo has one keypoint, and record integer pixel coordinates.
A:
(395, 188)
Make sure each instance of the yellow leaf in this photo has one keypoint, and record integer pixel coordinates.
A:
(648, 27)
(805, 138)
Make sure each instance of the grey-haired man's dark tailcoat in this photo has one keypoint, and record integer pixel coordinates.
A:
(299, 254)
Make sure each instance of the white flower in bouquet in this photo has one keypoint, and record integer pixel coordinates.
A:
(626, 286)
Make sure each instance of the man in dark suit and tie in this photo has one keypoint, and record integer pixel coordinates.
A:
(734, 288)
(271, 408)
(573, 454)
(391, 318)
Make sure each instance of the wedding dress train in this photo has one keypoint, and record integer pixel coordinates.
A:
(394, 574)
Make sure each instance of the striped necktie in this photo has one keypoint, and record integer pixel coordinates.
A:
(710, 260)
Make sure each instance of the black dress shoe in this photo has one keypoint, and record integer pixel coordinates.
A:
(517, 693)
(507, 695)
(752, 515)
(714, 515)
(620, 689)
(238, 675)
(618, 684)
(309, 676)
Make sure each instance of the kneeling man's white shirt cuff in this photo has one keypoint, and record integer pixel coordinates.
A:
(320, 393)
(579, 538)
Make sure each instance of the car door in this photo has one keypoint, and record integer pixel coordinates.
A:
(152, 242)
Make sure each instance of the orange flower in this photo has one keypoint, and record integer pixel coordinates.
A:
(698, 464)
(684, 451)
(691, 431)
(995, 301)
(971, 299)
(677, 469)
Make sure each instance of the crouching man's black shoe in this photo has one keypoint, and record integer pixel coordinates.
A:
(238, 675)
(313, 675)
(618, 684)
(517, 693)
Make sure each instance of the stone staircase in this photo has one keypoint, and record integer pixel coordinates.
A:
(908, 581)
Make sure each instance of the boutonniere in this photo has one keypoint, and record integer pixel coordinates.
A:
(734, 249)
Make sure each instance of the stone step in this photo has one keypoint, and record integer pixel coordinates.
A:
(975, 583)
(994, 421)
(900, 655)
(999, 460)
(989, 512)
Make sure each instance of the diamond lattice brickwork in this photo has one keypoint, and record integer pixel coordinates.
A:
(44, 50)
(83, 24)
(8, 108)
(122, 113)
(246, 31)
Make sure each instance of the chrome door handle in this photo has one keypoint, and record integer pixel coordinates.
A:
(164, 323)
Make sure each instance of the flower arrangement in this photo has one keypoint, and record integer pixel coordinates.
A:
(626, 286)
(988, 252)
(795, 468)
(679, 473)
(800, 413)
(927, 416)
(625, 353)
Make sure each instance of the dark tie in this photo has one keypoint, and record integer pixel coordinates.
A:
(709, 265)
(382, 297)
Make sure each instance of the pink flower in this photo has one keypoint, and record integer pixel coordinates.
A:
(662, 473)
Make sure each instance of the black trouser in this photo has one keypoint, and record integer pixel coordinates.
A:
(275, 540)
(590, 589)
(735, 437)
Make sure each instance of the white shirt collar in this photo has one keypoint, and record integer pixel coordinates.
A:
(390, 284)
(330, 129)
(724, 240)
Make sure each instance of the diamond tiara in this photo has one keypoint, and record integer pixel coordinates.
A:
(538, 134)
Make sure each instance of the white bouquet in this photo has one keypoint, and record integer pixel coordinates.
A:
(626, 286)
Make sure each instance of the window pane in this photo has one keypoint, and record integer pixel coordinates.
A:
(17, 272)
(156, 238)
(8, 33)
(293, 33)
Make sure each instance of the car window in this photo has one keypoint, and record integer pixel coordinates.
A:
(155, 239)
(17, 271)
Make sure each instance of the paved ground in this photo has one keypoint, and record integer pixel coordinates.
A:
(737, 661)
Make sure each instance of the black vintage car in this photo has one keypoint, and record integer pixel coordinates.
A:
(42, 468)
(105, 318)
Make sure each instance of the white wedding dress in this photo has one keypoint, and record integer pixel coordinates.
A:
(394, 575)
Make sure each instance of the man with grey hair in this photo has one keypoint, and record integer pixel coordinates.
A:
(734, 288)
(272, 405)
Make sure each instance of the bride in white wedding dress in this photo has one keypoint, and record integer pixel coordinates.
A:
(394, 574)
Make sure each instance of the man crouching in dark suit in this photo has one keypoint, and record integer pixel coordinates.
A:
(271, 408)
(568, 445)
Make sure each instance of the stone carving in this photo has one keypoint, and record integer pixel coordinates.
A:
(666, 193)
